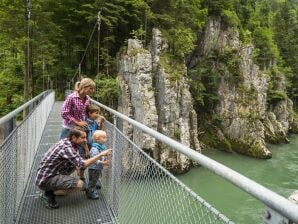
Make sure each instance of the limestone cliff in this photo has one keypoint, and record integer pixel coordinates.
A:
(244, 118)
(158, 96)
(244, 107)
(137, 98)
(280, 116)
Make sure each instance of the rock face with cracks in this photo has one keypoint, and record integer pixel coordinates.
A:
(155, 91)
(151, 96)
(246, 119)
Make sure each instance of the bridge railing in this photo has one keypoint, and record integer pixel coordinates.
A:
(17, 151)
(140, 190)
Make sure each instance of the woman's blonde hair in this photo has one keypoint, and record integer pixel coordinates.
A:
(85, 82)
(76, 87)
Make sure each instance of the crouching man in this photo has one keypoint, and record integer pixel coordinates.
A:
(59, 162)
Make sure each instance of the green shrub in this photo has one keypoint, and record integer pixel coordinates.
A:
(107, 90)
(230, 18)
(173, 66)
(181, 41)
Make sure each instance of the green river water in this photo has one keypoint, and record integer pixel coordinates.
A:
(278, 174)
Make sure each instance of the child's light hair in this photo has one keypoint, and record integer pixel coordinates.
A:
(98, 133)
(85, 82)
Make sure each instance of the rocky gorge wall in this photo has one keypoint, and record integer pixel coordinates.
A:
(246, 118)
(155, 91)
(150, 95)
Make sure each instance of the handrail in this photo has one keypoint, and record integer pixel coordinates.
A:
(271, 199)
(13, 113)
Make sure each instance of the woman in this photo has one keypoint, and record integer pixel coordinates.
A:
(73, 110)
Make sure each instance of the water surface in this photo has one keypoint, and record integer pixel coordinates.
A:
(278, 174)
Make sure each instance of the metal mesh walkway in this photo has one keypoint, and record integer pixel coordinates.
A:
(74, 207)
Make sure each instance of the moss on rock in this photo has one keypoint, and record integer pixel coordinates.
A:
(251, 148)
(216, 139)
(175, 167)
(173, 66)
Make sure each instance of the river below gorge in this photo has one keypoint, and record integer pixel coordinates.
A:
(279, 174)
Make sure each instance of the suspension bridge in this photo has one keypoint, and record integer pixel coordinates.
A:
(136, 189)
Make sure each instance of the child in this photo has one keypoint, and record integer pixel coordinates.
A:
(99, 137)
(93, 113)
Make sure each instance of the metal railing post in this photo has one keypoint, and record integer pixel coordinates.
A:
(31, 107)
(8, 127)
(114, 190)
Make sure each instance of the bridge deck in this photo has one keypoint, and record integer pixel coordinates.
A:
(74, 207)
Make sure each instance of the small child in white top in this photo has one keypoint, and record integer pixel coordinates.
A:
(99, 138)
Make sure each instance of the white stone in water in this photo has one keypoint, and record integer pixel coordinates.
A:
(294, 197)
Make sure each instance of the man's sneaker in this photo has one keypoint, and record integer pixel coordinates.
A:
(49, 199)
(92, 195)
(98, 185)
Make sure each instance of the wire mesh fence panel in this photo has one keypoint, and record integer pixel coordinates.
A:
(139, 190)
(8, 183)
(16, 158)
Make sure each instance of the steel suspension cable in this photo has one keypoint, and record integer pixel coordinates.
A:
(85, 52)
(27, 72)
(98, 39)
